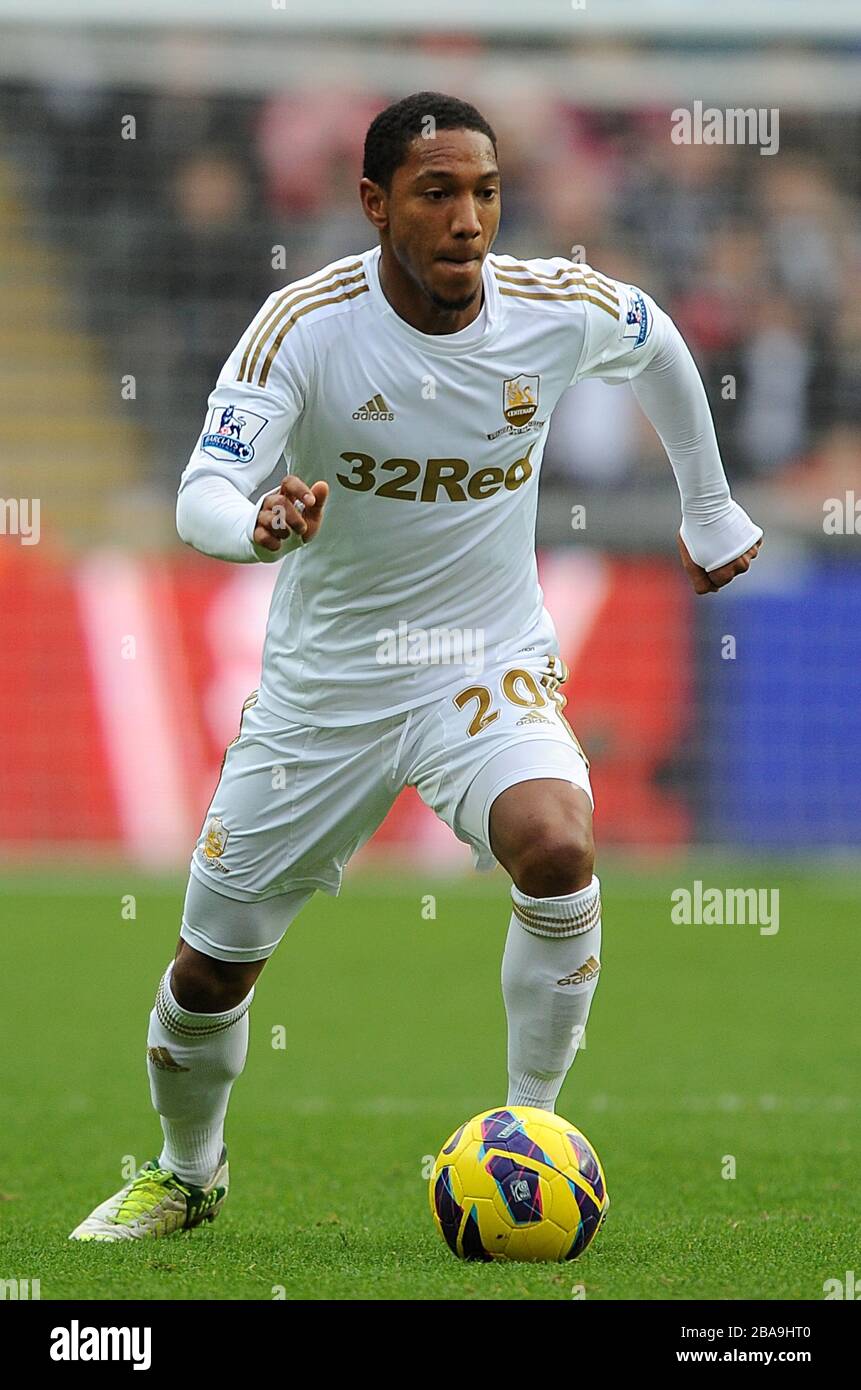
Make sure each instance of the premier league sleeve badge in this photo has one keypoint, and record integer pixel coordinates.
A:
(230, 433)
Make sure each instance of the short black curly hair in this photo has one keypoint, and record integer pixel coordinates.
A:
(391, 132)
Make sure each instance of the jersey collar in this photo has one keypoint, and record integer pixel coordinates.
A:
(440, 344)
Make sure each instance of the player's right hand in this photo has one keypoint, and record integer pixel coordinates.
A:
(709, 581)
(279, 514)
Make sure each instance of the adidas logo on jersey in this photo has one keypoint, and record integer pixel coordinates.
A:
(374, 409)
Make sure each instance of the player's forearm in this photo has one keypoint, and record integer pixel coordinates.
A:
(714, 528)
(217, 519)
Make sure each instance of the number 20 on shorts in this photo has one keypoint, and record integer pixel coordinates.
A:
(520, 688)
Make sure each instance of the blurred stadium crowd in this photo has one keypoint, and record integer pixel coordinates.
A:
(172, 237)
(131, 266)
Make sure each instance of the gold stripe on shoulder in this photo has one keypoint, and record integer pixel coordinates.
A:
(293, 294)
(559, 297)
(286, 303)
(587, 273)
(579, 282)
(298, 314)
(561, 280)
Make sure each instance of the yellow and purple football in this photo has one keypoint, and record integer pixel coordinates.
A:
(518, 1184)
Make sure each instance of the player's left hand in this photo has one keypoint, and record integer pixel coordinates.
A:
(709, 581)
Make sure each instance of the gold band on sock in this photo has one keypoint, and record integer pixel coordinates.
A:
(571, 922)
(175, 1020)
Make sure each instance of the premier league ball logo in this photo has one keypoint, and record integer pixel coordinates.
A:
(636, 319)
(230, 433)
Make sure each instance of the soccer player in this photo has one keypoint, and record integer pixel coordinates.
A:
(411, 387)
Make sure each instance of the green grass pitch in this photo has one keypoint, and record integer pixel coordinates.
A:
(704, 1041)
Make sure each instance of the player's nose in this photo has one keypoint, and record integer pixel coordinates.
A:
(465, 221)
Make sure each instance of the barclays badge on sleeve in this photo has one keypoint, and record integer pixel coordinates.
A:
(230, 433)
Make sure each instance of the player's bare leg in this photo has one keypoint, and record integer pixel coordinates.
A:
(541, 832)
(205, 985)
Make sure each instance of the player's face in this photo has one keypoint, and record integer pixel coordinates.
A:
(443, 214)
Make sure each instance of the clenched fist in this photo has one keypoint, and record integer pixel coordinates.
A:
(295, 508)
(709, 581)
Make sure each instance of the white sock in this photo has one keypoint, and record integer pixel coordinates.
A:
(193, 1061)
(549, 974)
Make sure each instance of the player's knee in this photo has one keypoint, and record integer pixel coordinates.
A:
(557, 858)
(204, 985)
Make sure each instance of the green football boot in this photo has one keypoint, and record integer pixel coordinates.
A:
(155, 1203)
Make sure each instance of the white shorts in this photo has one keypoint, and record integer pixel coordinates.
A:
(295, 802)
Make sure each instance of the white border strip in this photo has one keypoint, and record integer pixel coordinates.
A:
(825, 19)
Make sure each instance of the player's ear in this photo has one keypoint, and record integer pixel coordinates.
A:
(374, 200)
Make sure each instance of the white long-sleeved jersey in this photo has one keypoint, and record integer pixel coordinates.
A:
(432, 448)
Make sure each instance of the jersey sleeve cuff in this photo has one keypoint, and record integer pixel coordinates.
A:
(716, 543)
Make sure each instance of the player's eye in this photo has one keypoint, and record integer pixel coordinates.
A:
(435, 194)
